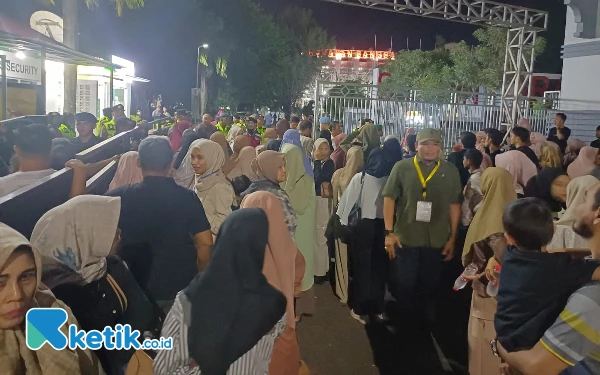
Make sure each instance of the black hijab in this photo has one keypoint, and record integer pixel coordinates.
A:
(382, 160)
(540, 186)
(233, 305)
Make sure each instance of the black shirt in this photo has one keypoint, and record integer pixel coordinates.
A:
(595, 143)
(457, 158)
(533, 290)
(79, 146)
(531, 155)
(562, 143)
(323, 173)
(166, 216)
(493, 156)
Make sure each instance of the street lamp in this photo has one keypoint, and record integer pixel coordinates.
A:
(205, 46)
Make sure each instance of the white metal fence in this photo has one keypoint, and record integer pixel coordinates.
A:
(400, 109)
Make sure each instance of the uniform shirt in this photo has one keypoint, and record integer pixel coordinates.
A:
(574, 336)
(81, 146)
(166, 216)
(562, 143)
(404, 186)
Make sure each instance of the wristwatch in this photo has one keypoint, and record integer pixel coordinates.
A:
(388, 232)
(494, 345)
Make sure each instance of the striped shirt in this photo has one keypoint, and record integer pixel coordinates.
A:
(575, 336)
(177, 361)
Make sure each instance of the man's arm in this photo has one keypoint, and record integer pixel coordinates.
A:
(389, 210)
(347, 142)
(204, 242)
(455, 213)
(537, 361)
(94, 168)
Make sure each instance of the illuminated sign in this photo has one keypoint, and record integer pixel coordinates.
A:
(25, 68)
(354, 54)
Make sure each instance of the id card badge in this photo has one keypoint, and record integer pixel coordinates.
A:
(424, 211)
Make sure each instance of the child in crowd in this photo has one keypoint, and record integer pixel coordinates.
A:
(534, 284)
(472, 192)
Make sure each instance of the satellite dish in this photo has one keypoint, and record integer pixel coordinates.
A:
(48, 24)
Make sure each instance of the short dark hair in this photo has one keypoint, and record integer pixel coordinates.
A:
(240, 184)
(529, 222)
(365, 120)
(107, 112)
(562, 115)
(468, 139)
(411, 142)
(597, 128)
(474, 156)
(34, 139)
(335, 124)
(304, 125)
(295, 119)
(495, 135)
(155, 153)
(521, 133)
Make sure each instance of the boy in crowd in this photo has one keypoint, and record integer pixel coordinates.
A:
(534, 284)
(472, 192)
(520, 139)
(492, 143)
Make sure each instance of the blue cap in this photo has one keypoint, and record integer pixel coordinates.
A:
(324, 120)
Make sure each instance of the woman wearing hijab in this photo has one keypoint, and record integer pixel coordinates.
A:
(213, 189)
(485, 239)
(338, 155)
(128, 171)
(229, 317)
(292, 136)
(572, 151)
(584, 163)
(367, 135)
(274, 145)
(323, 170)
(550, 185)
(366, 241)
(184, 175)
(564, 236)
(243, 164)
(404, 143)
(520, 167)
(341, 178)
(284, 268)
(269, 168)
(234, 132)
(300, 188)
(177, 134)
(222, 141)
(21, 266)
(77, 241)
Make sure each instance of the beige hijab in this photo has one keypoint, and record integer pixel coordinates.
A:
(284, 264)
(184, 176)
(317, 155)
(75, 238)
(220, 139)
(266, 165)
(215, 158)
(15, 357)
(575, 196)
(243, 164)
(354, 164)
(128, 171)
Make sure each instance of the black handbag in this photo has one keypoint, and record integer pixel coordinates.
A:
(355, 214)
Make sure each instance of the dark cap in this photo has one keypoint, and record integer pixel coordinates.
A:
(119, 107)
(226, 115)
(429, 134)
(86, 117)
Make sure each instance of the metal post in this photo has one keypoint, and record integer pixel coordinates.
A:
(43, 78)
(198, 69)
(112, 87)
(4, 87)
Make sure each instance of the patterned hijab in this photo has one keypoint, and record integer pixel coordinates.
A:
(75, 238)
(15, 357)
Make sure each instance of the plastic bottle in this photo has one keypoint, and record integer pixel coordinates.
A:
(492, 287)
(461, 282)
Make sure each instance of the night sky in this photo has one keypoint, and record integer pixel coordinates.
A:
(160, 40)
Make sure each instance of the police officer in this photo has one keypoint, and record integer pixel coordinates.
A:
(67, 127)
(105, 122)
(224, 124)
(85, 124)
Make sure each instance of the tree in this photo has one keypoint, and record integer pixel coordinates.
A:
(70, 30)
(461, 68)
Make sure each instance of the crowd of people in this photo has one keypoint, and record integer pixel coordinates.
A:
(215, 234)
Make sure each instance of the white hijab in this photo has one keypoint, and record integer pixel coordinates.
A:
(75, 238)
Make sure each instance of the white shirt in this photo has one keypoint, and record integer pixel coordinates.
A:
(18, 180)
(371, 200)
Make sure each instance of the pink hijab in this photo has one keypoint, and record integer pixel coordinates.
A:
(177, 134)
(128, 172)
(520, 167)
(243, 164)
(524, 123)
(585, 162)
(338, 155)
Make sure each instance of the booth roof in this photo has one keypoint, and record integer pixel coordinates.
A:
(15, 36)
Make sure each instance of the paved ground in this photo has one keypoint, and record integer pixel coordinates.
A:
(333, 343)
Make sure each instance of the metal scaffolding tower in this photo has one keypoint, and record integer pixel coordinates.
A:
(522, 23)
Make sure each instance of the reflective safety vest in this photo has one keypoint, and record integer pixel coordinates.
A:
(66, 131)
(135, 118)
(261, 130)
(224, 130)
(241, 124)
(107, 123)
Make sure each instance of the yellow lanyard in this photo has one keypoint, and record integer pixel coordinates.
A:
(424, 180)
